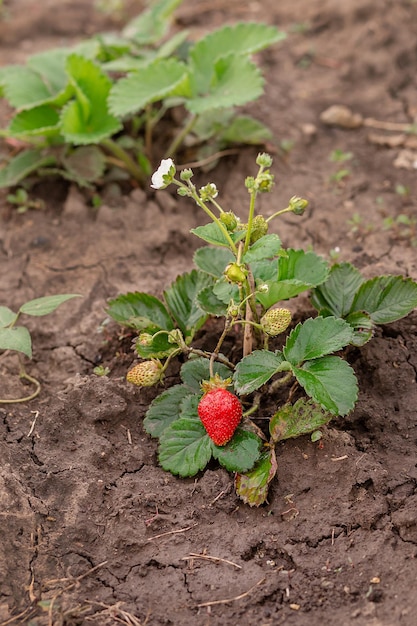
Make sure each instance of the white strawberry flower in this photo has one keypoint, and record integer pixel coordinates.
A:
(164, 174)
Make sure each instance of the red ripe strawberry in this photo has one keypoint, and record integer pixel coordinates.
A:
(220, 411)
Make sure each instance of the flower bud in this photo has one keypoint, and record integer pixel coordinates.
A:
(298, 205)
(264, 160)
(145, 374)
(186, 174)
(275, 321)
(208, 192)
(229, 220)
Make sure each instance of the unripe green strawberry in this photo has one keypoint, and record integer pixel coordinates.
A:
(229, 220)
(220, 411)
(259, 228)
(145, 374)
(275, 321)
(236, 273)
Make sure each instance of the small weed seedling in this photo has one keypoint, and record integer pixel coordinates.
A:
(18, 339)
(242, 277)
(100, 107)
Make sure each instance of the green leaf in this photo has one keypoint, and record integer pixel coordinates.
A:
(22, 165)
(185, 447)
(16, 338)
(337, 294)
(362, 327)
(225, 291)
(213, 234)
(212, 260)
(234, 41)
(194, 371)
(141, 311)
(315, 338)
(149, 84)
(246, 130)
(181, 301)
(152, 24)
(38, 121)
(255, 370)
(7, 316)
(240, 453)
(24, 87)
(297, 272)
(331, 382)
(293, 420)
(46, 304)
(253, 486)
(86, 119)
(210, 303)
(165, 409)
(386, 298)
(86, 164)
(159, 347)
(236, 81)
(266, 247)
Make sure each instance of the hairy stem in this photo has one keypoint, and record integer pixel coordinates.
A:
(127, 161)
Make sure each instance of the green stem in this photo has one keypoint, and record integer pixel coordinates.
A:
(210, 213)
(250, 220)
(125, 158)
(219, 345)
(177, 141)
(286, 210)
(32, 380)
(280, 381)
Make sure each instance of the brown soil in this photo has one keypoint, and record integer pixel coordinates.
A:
(92, 530)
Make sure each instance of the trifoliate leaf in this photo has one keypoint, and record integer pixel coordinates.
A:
(22, 165)
(293, 420)
(213, 234)
(266, 247)
(386, 298)
(194, 371)
(35, 122)
(149, 84)
(255, 370)
(252, 487)
(16, 338)
(336, 295)
(236, 81)
(241, 39)
(182, 303)
(85, 164)
(297, 272)
(140, 310)
(315, 338)
(185, 447)
(213, 261)
(165, 409)
(86, 119)
(246, 130)
(240, 453)
(331, 382)
(210, 303)
(362, 327)
(151, 24)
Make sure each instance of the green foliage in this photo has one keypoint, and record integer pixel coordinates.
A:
(364, 303)
(240, 276)
(18, 338)
(120, 85)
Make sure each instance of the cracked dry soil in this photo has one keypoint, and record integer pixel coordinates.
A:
(92, 531)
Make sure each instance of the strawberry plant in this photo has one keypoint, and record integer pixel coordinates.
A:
(243, 277)
(96, 109)
(18, 339)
